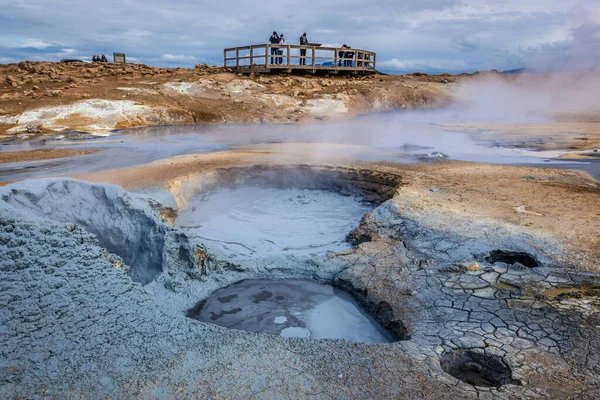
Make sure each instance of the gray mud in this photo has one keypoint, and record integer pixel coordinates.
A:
(472, 321)
(253, 222)
(290, 308)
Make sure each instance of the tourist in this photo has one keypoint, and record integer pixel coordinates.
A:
(348, 57)
(96, 58)
(303, 42)
(104, 59)
(274, 39)
(341, 55)
(282, 41)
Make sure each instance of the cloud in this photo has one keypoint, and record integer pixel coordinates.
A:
(178, 58)
(395, 65)
(468, 34)
(8, 60)
(467, 44)
(26, 43)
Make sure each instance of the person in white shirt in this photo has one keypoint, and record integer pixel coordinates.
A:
(281, 41)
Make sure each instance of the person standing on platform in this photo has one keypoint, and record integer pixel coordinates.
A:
(274, 39)
(303, 42)
(282, 41)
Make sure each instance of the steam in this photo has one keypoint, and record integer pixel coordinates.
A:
(528, 97)
(580, 51)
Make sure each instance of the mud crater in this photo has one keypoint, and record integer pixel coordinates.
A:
(260, 211)
(290, 308)
(477, 368)
(512, 258)
(255, 213)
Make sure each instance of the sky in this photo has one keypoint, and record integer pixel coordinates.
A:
(428, 35)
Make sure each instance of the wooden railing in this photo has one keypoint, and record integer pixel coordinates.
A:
(288, 56)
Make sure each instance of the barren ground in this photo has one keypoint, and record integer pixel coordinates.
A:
(487, 275)
(102, 97)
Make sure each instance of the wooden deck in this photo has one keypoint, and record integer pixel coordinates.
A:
(259, 59)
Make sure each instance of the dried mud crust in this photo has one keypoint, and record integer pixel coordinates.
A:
(452, 305)
(45, 154)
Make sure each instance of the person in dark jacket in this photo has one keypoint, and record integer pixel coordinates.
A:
(341, 55)
(274, 39)
(349, 57)
(103, 59)
(303, 42)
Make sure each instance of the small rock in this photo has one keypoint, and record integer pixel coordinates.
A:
(522, 210)
(53, 93)
(33, 128)
(175, 284)
(35, 87)
(472, 267)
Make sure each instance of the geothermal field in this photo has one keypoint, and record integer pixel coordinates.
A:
(195, 233)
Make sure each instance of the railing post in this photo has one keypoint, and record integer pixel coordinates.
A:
(335, 58)
(251, 55)
(374, 60)
(313, 56)
(354, 63)
(237, 57)
(225, 58)
(267, 49)
(289, 58)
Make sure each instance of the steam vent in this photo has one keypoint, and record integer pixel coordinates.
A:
(219, 250)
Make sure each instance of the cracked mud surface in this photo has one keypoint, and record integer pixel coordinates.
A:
(75, 323)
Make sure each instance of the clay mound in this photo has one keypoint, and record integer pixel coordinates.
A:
(123, 224)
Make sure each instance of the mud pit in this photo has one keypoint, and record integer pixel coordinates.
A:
(477, 369)
(251, 222)
(290, 308)
(473, 325)
(257, 212)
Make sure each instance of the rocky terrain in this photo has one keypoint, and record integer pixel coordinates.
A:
(484, 303)
(49, 98)
(486, 276)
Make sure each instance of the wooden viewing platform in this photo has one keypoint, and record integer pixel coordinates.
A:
(258, 58)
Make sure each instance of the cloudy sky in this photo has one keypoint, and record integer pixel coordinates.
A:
(408, 35)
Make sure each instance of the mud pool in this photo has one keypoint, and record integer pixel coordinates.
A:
(254, 222)
(290, 308)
